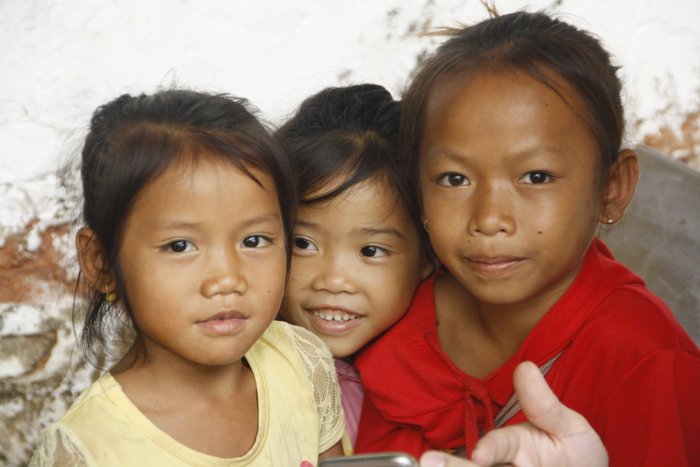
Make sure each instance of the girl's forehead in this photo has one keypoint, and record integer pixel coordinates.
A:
(474, 92)
(373, 194)
(445, 87)
(186, 174)
(509, 114)
(188, 166)
(379, 185)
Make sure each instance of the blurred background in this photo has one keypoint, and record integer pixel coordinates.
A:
(60, 59)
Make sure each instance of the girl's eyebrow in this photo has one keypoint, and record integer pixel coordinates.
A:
(358, 230)
(441, 151)
(307, 224)
(527, 152)
(184, 225)
(263, 218)
(440, 155)
(379, 231)
(176, 225)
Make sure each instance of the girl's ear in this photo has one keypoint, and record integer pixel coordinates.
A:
(93, 261)
(619, 190)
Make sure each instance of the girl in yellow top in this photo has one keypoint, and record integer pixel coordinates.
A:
(187, 205)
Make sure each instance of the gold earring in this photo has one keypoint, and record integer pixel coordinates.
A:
(111, 297)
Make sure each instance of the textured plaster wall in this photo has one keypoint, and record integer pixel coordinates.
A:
(60, 59)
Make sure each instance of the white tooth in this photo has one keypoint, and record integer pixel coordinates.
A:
(332, 315)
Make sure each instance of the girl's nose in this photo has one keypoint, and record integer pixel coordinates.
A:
(224, 276)
(334, 275)
(492, 212)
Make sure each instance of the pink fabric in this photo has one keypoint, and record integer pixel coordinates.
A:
(352, 394)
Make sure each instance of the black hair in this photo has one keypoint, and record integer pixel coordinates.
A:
(134, 139)
(342, 136)
(533, 43)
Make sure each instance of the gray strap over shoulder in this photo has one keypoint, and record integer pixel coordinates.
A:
(513, 405)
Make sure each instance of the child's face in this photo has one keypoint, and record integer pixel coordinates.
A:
(509, 186)
(356, 262)
(203, 261)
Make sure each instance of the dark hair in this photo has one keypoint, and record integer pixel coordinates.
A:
(342, 136)
(537, 45)
(134, 139)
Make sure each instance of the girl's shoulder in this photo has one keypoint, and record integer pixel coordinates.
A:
(97, 395)
(58, 445)
(304, 367)
(92, 416)
(281, 334)
(635, 314)
(290, 348)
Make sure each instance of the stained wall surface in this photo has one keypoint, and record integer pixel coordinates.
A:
(60, 59)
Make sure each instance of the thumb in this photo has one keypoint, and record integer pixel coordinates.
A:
(542, 407)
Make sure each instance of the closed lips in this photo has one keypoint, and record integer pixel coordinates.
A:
(224, 315)
(493, 260)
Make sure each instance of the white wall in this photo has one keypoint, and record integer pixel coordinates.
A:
(60, 59)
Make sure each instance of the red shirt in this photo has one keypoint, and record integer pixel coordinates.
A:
(627, 366)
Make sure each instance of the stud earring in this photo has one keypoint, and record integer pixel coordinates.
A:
(610, 221)
(111, 297)
(425, 224)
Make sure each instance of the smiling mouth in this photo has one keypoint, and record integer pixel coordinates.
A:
(335, 315)
(334, 321)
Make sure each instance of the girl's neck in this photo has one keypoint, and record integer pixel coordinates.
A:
(158, 371)
(213, 410)
(480, 337)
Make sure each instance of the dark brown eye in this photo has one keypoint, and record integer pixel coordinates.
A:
(178, 246)
(452, 179)
(372, 251)
(455, 179)
(537, 178)
(255, 241)
(302, 243)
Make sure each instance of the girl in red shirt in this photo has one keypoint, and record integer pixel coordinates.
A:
(513, 129)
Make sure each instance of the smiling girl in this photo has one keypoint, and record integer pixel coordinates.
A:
(358, 252)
